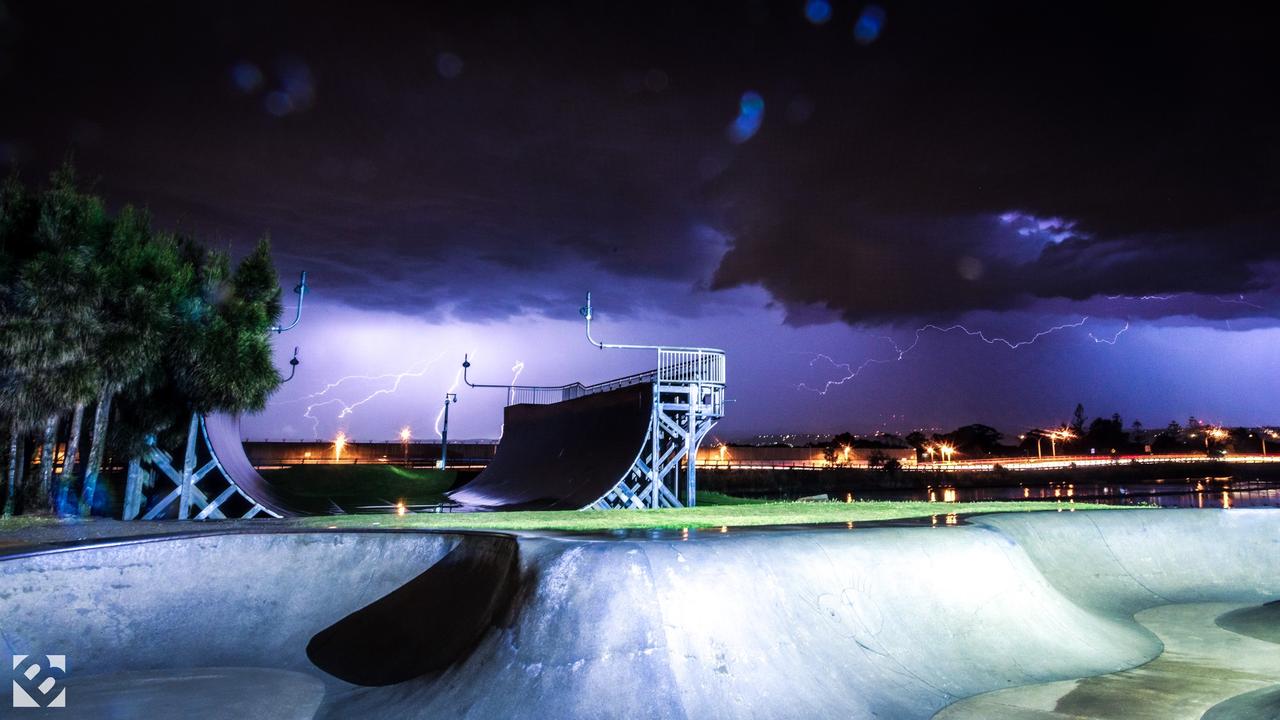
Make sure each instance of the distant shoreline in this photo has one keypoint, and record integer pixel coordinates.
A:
(838, 480)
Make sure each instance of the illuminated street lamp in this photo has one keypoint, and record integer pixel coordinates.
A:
(1267, 434)
(405, 435)
(946, 450)
(339, 444)
(444, 429)
(1216, 433)
(1055, 435)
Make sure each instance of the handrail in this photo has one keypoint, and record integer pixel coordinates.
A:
(466, 365)
(567, 392)
(675, 364)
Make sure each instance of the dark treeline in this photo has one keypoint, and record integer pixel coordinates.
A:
(112, 334)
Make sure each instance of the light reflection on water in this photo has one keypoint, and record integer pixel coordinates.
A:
(1221, 492)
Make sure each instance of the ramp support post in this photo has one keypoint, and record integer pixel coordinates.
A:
(188, 468)
(688, 400)
(691, 449)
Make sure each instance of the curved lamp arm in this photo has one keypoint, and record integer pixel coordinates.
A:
(301, 290)
(586, 313)
(466, 365)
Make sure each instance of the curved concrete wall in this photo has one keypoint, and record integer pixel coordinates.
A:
(240, 599)
(867, 622)
(1123, 562)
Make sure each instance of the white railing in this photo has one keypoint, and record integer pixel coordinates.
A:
(531, 395)
(675, 367)
(678, 365)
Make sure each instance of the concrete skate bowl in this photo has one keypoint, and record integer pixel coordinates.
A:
(888, 622)
(239, 625)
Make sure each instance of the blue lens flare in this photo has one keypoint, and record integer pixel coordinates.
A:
(817, 11)
(870, 24)
(750, 117)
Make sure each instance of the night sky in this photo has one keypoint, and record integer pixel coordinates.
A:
(824, 190)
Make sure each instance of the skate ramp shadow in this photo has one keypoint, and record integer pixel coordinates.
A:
(429, 623)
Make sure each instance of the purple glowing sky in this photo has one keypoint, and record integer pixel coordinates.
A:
(788, 183)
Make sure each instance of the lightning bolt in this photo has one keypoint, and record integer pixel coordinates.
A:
(1112, 341)
(394, 387)
(517, 369)
(414, 371)
(511, 393)
(457, 378)
(1141, 298)
(900, 352)
(1239, 300)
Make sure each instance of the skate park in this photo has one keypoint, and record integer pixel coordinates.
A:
(1061, 613)
(992, 617)
(778, 359)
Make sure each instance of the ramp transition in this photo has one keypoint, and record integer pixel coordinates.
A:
(565, 455)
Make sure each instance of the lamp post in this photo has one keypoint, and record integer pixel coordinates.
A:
(405, 435)
(444, 429)
(1055, 436)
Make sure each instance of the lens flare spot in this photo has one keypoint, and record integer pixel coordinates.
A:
(750, 117)
(817, 12)
(246, 76)
(448, 65)
(870, 24)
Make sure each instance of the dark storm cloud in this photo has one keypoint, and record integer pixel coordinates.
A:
(498, 160)
(1135, 150)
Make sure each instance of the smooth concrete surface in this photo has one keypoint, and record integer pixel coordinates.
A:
(1258, 705)
(1261, 622)
(864, 622)
(206, 693)
(1202, 665)
(211, 601)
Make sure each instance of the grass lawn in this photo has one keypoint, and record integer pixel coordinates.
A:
(370, 484)
(734, 512)
(23, 522)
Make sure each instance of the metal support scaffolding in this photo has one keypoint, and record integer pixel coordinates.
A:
(688, 401)
(187, 491)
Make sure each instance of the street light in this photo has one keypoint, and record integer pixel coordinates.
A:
(405, 435)
(1267, 434)
(1216, 433)
(1056, 435)
(339, 444)
(444, 429)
